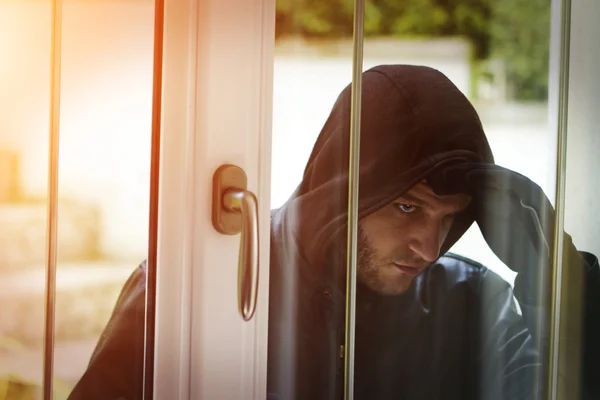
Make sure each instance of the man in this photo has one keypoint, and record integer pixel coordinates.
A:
(429, 324)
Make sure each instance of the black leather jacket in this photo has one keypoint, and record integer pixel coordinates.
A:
(456, 334)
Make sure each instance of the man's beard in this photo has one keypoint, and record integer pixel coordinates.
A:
(369, 268)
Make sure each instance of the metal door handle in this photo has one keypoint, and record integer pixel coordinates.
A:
(244, 202)
(235, 210)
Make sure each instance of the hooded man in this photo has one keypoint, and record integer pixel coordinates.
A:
(429, 324)
(426, 327)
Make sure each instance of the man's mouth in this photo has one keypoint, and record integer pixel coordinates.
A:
(408, 269)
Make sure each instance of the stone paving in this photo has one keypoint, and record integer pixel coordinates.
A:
(86, 294)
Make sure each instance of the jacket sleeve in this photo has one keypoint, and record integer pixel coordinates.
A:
(510, 365)
(115, 370)
(532, 286)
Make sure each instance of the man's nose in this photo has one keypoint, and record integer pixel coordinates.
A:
(426, 241)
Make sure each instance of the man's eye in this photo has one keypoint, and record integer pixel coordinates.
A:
(406, 208)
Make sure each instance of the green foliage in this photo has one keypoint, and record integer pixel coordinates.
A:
(516, 31)
(520, 32)
(314, 18)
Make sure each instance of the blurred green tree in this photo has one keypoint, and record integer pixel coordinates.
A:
(520, 35)
(516, 31)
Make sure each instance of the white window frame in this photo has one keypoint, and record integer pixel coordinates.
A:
(217, 109)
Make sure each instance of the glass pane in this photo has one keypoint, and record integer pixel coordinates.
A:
(104, 174)
(311, 120)
(579, 375)
(24, 123)
(457, 188)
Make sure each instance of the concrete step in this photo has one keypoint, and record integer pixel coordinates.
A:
(23, 229)
(26, 364)
(86, 294)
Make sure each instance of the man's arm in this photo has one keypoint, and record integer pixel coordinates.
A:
(115, 371)
(517, 221)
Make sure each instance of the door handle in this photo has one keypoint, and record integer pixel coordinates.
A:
(235, 210)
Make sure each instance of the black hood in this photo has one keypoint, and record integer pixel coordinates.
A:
(414, 121)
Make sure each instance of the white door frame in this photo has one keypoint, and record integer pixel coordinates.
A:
(217, 109)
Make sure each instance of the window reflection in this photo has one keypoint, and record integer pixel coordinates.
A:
(103, 177)
(456, 315)
(105, 161)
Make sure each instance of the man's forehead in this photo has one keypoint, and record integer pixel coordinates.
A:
(423, 193)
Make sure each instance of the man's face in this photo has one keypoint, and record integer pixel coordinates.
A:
(403, 238)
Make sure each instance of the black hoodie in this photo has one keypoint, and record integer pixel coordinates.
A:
(454, 335)
(456, 332)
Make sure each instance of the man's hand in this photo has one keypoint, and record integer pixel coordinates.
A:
(514, 215)
(517, 221)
